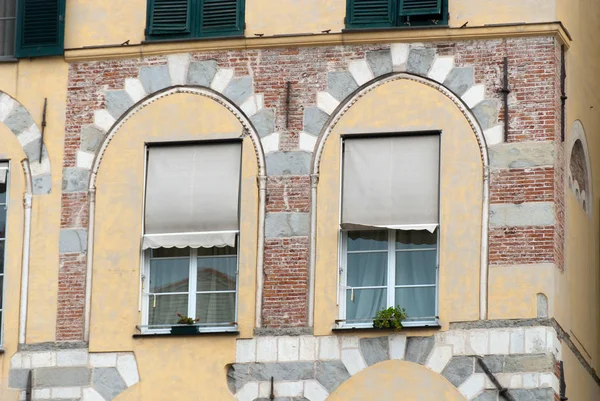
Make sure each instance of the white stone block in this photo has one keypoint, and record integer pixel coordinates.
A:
(16, 362)
(22, 396)
(499, 342)
(71, 358)
(442, 65)
(127, 367)
(38, 168)
(253, 104)
(264, 389)
(549, 380)
(314, 391)
(26, 361)
(41, 394)
(439, 358)
(360, 70)
(85, 159)
(473, 385)
(474, 95)
(89, 394)
(503, 378)
(7, 103)
(478, 340)
(517, 341)
(103, 120)
(66, 392)
(29, 135)
(245, 351)
(353, 360)
(248, 393)
(535, 340)
(221, 79)
(494, 135)
(135, 89)
(349, 341)
(178, 68)
(457, 339)
(308, 348)
(103, 360)
(329, 348)
(289, 389)
(553, 343)
(43, 359)
(326, 102)
(530, 380)
(516, 381)
(397, 346)
(399, 56)
(270, 143)
(307, 141)
(266, 349)
(288, 349)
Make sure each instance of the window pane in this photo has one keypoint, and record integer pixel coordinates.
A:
(365, 305)
(367, 240)
(1, 288)
(415, 267)
(217, 251)
(418, 302)
(169, 275)
(3, 193)
(1, 258)
(217, 274)
(415, 239)
(215, 308)
(366, 269)
(7, 37)
(2, 222)
(170, 252)
(166, 308)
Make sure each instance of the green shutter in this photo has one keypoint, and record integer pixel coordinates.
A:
(221, 17)
(168, 17)
(370, 13)
(420, 7)
(40, 28)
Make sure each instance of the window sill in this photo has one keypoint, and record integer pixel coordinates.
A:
(203, 333)
(9, 60)
(405, 326)
(183, 40)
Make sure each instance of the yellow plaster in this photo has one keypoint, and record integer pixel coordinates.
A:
(422, 108)
(482, 12)
(119, 203)
(396, 380)
(580, 385)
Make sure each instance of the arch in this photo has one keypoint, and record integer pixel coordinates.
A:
(20, 122)
(579, 169)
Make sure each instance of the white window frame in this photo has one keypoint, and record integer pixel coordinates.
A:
(3, 274)
(147, 297)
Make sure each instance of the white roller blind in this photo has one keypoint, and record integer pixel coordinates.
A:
(3, 172)
(192, 195)
(391, 182)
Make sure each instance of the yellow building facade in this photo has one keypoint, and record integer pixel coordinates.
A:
(282, 172)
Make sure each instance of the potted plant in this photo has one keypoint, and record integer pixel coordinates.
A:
(390, 318)
(189, 328)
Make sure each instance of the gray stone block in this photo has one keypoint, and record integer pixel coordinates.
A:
(331, 374)
(91, 138)
(42, 184)
(32, 149)
(459, 80)
(458, 369)
(75, 179)
(542, 306)
(314, 120)
(18, 120)
(238, 374)
(108, 382)
(239, 89)
(486, 113)
(117, 102)
(155, 78)
(418, 349)
(72, 241)
(201, 73)
(535, 394)
(18, 378)
(340, 84)
(288, 163)
(420, 61)
(380, 62)
(285, 225)
(375, 350)
(264, 122)
(487, 395)
(494, 362)
(528, 363)
(522, 215)
(522, 155)
(282, 371)
(61, 377)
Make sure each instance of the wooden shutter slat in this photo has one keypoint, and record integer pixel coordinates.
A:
(169, 17)
(420, 7)
(40, 29)
(370, 13)
(221, 16)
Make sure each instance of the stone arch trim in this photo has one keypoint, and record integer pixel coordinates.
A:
(580, 182)
(311, 368)
(18, 119)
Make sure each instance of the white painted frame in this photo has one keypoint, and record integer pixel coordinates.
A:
(3, 274)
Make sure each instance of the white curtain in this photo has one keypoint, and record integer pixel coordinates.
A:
(217, 275)
(168, 276)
